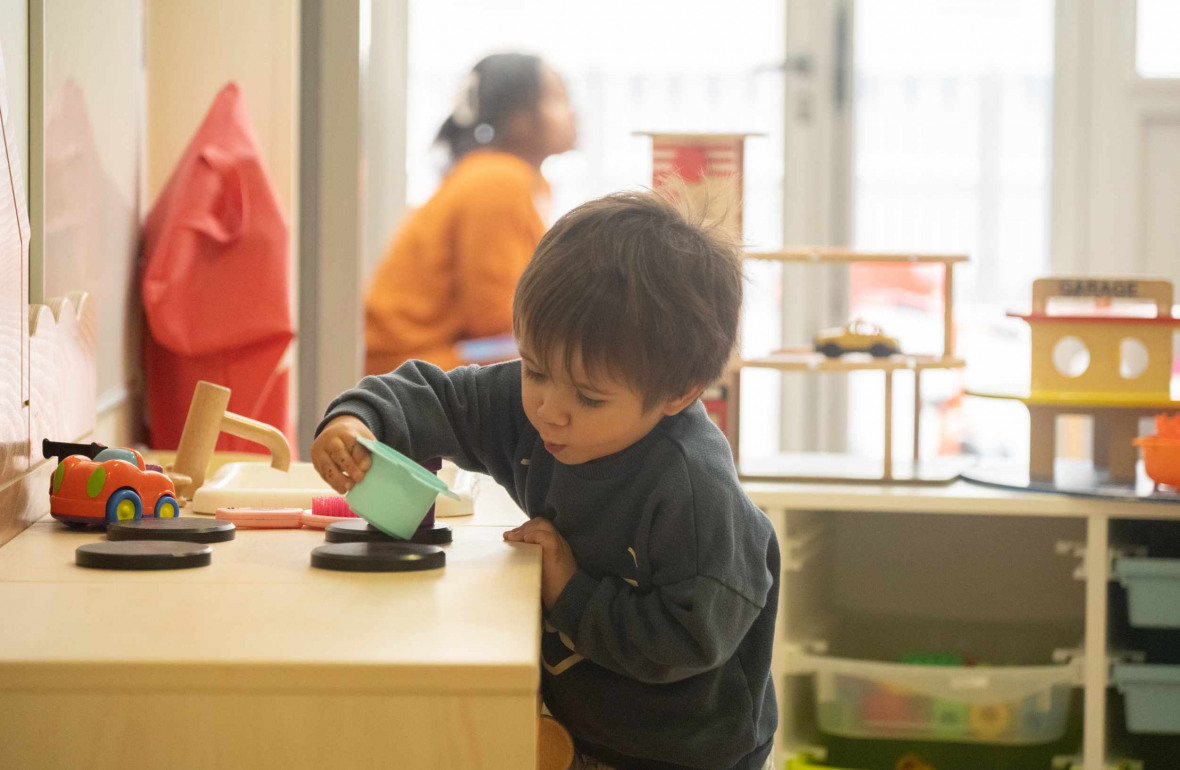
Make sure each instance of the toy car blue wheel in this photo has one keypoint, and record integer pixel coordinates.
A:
(881, 350)
(167, 507)
(124, 505)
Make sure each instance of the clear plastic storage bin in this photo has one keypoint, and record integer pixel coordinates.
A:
(1153, 591)
(1016, 705)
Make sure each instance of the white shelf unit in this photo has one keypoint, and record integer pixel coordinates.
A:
(870, 572)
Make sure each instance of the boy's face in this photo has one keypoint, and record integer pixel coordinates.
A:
(582, 419)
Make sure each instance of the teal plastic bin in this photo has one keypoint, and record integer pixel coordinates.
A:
(1153, 591)
(1152, 694)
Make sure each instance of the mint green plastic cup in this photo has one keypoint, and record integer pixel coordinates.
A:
(396, 494)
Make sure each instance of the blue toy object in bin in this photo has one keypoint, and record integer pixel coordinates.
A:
(396, 494)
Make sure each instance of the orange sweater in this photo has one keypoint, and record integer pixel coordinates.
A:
(451, 271)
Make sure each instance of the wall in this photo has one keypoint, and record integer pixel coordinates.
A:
(47, 354)
(384, 128)
(14, 42)
(333, 57)
(1116, 149)
(86, 192)
(14, 380)
(195, 47)
(353, 168)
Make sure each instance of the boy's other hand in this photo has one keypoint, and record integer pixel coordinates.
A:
(338, 457)
(558, 564)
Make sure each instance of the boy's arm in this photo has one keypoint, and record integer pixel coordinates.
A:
(685, 625)
(470, 415)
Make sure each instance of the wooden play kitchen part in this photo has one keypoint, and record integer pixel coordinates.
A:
(1112, 368)
(207, 419)
(811, 361)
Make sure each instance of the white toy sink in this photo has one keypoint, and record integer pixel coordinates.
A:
(257, 485)
(461, 483)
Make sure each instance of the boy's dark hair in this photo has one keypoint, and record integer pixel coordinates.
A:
(504, 83)
(638, 290)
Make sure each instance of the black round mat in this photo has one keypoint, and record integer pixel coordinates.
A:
(186, 528)
(437, 534)
(378, 557)
(355, 531)
(143, 554)
(360, 531)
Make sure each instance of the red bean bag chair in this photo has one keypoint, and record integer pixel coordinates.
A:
(216, 282)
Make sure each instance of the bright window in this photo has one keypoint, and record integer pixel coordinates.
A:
(662, 65)
(1157, 39)
(951, 155)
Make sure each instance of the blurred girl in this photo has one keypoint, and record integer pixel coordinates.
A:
(451, 271)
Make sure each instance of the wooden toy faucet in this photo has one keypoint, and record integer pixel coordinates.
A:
(207, 419)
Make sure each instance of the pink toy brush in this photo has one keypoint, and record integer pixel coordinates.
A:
(325, 510)
(262, 518)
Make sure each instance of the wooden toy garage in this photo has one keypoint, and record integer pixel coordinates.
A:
(1097, 359)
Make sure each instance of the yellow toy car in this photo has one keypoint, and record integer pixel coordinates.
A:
(856, 337)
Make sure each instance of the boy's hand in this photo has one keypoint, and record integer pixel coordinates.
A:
(558, 564)
(338, 457)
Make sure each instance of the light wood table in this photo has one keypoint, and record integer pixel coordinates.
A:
(261, 661)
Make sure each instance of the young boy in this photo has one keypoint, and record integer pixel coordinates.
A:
(659, 576)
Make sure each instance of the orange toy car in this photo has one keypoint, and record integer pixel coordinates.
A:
(115, 486)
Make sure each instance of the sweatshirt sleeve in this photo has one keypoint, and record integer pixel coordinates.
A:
(665, 635)
(495, 239)
(688, 622)
(470, 415)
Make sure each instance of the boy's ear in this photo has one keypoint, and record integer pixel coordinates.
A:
(677, 405)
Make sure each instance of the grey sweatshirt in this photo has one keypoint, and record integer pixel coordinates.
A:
(657, 653)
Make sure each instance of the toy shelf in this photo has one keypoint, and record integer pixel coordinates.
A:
(827, 254)
(1104, 320)
(1011, 581)
(1083, 400)
(814, 467)
(806, 360)
(825, 467)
